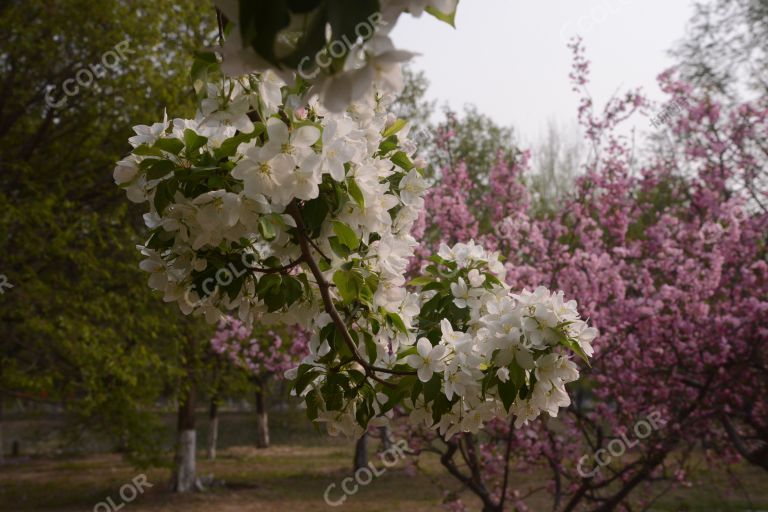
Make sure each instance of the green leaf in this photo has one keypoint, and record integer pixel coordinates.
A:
(340, 249)
(420, 281)
(171, 145)
(313, 213)
(159, 168)
(313, 404)
(193, 141)
(348, 283)
(346, 235)
(370, 347)
(397, 322)
(345, 16)
(401, 160)
(303, 6)
(306, 374)
(432, 388)
(440, 406)
(398, 125)
(516, 375)
(447, 17)
(355, 192)
(387, 145)
(267, 283)
(292, 290)
(145, 150)
(267, 228)
(333, 391)
(311, 42)
(164, 194)
(228, 148)
(574, 346)
(260, 22)
(416, 389)
(204, 64)
(435, 285)
(508, 393)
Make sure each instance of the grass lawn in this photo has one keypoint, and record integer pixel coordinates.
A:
(292, 478)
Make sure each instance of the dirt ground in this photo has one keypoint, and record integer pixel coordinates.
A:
(293, 478)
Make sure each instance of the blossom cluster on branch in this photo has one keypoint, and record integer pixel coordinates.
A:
(342, 48)
(269, 206)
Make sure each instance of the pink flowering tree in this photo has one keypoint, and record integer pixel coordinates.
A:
(668, 258)
(259, 357)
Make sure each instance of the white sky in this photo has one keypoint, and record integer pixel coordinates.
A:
(509, 57)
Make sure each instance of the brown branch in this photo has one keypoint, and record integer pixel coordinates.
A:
(757, 457)
(446, 459)
(278, 270)
(330, 307)
(505, 482)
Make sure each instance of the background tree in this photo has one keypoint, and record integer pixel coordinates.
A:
(259, 357)
(79, 326)
(726, 48)
(670, 263)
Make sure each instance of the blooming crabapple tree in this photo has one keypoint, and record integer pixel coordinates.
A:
(273, 208)
(264, 356)
(669, 260)
(259, 357)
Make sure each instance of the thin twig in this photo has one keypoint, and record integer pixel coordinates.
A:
(278, 270)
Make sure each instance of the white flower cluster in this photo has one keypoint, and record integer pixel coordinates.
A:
(482, 352)
(269, 205)
(218, 187)
(508, 353)
(347, 67)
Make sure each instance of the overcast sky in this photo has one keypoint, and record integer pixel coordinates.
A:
(509, 57)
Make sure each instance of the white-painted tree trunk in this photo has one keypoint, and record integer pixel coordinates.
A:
(185, 472)
(184, 477)
(262, 420)
(213, 430)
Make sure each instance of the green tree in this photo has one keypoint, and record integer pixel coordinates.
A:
(80, 326)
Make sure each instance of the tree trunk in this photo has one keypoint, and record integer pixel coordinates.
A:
(361, 452)
(386, 444)
(184, 465)
(213, 428)
(262, 418)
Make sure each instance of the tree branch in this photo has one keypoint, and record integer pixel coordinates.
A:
(330, 307)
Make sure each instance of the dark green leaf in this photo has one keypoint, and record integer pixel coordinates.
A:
(170, 145)
(193, 141)
(159, 168)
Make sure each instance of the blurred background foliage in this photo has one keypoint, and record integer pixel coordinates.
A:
(81, 327)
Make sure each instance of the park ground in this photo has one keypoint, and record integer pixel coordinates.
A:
(292, 475)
